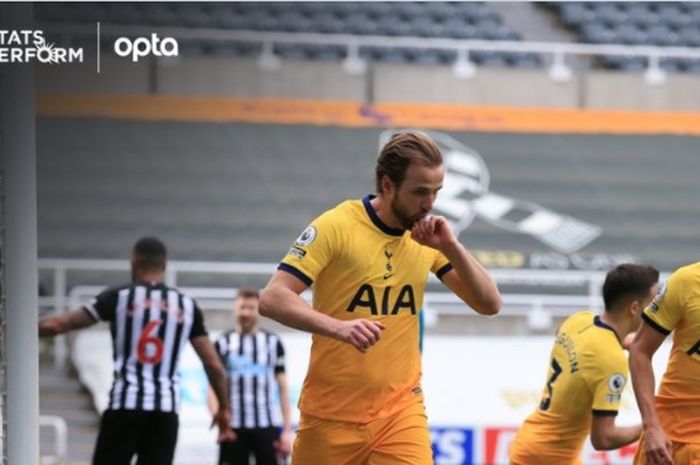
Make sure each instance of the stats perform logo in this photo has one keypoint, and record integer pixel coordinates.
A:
(144, 46)
(29, 46)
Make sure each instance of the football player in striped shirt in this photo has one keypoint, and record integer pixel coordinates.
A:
(254, 361)
(150, 323)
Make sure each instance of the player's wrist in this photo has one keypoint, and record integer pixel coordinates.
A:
(651, 424)
(450, 247)
(334, 329)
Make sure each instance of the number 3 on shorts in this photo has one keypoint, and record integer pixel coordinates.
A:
(149, 337)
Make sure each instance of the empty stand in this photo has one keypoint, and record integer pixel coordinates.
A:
(455, 20)
(238, 192)
(668, 24)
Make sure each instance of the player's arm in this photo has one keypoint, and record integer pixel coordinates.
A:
(281, 301)
(647, 341)
(467, 279)
(606, 436)
(212, 402)
(285, 441)
(64, 322)
(217, 380)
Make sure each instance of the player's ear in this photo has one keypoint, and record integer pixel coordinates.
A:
(388, 186)
(635, 308)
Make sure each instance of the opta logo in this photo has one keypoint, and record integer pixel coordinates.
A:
(144, 46)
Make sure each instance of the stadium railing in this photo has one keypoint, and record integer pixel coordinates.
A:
(58, 424)
(354, 64)
(554, 293)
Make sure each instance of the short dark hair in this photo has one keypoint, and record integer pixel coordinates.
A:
(402, 149)
(628, 280)
(150, 253)
(247, 293)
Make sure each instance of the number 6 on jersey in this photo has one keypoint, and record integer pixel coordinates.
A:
(149, 337)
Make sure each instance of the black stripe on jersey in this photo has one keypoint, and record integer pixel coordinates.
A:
(268, 346)
(241, 385)
(126, 353)
(176, 345)
(605, 413)
(139, 366)
(441, 272)
(296, 272)
(163, 317)
(256, 414)
(655, 325)
(113, 332)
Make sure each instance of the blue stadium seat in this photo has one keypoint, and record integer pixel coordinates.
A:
(673, 65)
(426, 26)
(262, 21)
(574, 14)
(159, 14)
(490, 59)
(232, 20)
(673, 15)
(629, 33)
(291, 51)
(459, 28)
(610, 13)
(377, 9)
(692, 66)
(329, 23)
(393, 26)
(427, 57)
(194, 16)
(360, 23)
(690, 35)
(440, 11)
(327, 52)
(293, 21)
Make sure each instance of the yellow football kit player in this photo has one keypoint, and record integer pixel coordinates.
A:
(677, 308)
(587, 374)
(361, 268)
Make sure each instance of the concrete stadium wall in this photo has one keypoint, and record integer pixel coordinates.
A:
(241, 78)
(624, 90)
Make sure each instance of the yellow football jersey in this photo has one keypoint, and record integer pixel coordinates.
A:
(361, 268)
(587, 374)
(677, 307)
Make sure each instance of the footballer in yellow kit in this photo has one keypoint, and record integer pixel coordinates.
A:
(587, 373)
(368, 261)
(361, 268)
(675, 411)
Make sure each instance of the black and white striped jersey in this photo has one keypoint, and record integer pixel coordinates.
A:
(150, 324)
(252, 360)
